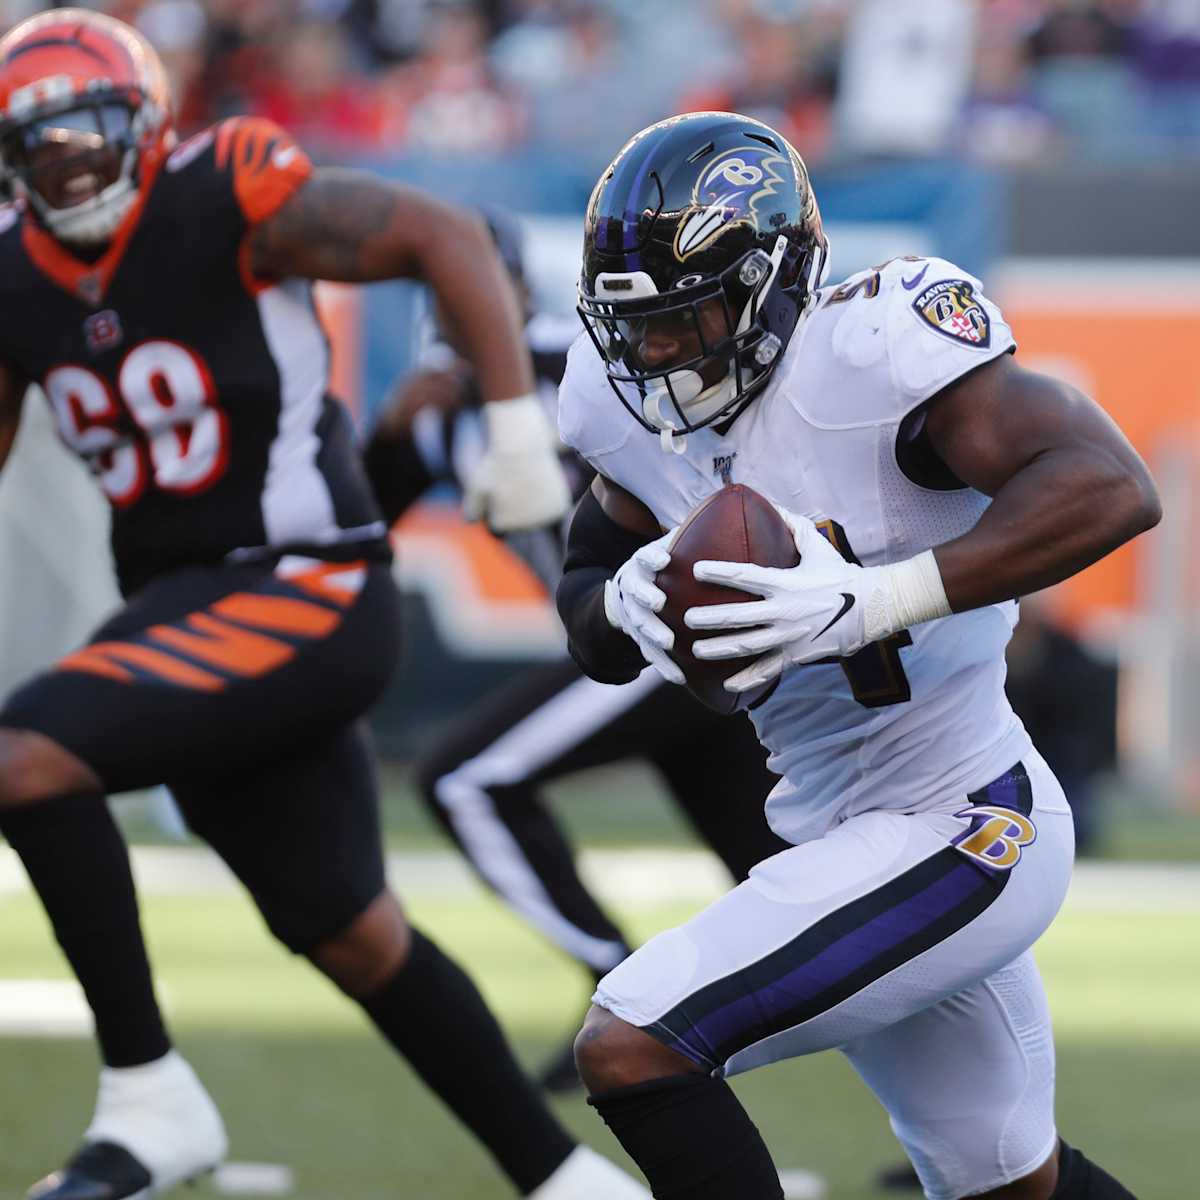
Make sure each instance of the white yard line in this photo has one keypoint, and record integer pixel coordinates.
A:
(640, 876)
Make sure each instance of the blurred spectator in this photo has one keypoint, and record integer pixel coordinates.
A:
(906, 71)
(1002, 121)
(447, 100)
(312, 91)
(782, 69)
(1083, 78)
(179, 31)
(1067, 700)
(587, 88)
(1167, 58)
(1075, 29)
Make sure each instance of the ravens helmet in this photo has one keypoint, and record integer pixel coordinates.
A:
(84, 116)
(702, 245)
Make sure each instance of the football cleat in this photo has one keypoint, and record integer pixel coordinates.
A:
(154, 1127)
(97, 1171)
(586, 1175)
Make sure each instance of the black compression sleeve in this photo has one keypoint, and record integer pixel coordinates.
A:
(397, 472)
(596, 548)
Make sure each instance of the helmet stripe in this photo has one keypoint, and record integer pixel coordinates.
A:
(47, 43)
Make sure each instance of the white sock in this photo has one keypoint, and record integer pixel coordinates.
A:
(162, 1115)
(586, 1175)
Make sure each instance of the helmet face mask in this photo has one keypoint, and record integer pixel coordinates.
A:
(68, 158)
(84, 112)
(691, 356)
(703, 243)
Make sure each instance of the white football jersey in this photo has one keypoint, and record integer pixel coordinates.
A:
(906, 724)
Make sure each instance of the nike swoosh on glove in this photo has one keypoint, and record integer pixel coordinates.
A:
(520, 482)
(825, 607)
(632, 601)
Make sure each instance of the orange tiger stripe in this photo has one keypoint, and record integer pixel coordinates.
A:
(225, 646)
(95, 664)
(316, 581)
(225, 135)
(279, 614)
(155, 661)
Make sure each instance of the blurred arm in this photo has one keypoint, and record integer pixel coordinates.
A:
(356, 228)
(608, 526)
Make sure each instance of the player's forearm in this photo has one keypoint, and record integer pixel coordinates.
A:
(596, 548)
(397, 473)
(602, 652)
(1064, 511)
(479, 306)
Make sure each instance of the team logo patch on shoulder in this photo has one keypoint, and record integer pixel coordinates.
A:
(951, 307)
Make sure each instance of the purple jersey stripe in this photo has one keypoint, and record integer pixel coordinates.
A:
(773, 1006)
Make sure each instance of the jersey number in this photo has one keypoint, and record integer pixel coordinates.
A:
(875, 674)
(168, 391)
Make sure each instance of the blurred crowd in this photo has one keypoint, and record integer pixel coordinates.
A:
(1008, 81)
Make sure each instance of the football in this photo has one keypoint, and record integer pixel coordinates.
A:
(735, 524)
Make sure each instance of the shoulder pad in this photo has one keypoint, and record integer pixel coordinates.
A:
(265, 164)
(886, 340)
(591, 420)
(940, 325)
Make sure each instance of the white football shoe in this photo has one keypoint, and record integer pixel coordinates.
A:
(586, 1175)
(154, 1127)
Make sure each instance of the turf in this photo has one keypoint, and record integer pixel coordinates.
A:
(301, 1079)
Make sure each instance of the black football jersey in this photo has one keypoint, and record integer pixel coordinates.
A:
(196, 393)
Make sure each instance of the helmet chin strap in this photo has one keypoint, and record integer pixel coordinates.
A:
(689, 397)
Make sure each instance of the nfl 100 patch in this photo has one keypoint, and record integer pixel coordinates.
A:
(951, 307)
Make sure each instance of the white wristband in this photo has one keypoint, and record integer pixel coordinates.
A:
(515, 424)
(914, 592)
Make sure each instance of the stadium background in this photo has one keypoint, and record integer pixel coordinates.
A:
(1051, 147)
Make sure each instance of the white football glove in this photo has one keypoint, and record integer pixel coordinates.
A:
(520, 482)
(823, 608)
(632, 599)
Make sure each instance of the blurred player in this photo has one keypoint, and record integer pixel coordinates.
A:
(932, 846)
(483, 780)
(160, 296)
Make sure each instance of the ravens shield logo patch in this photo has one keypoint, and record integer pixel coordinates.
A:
(951, 307)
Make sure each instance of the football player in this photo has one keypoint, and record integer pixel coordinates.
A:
(482, 781)
(160, 296)
(928, 480)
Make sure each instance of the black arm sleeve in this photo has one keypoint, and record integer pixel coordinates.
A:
(596, 548)
(397, 472)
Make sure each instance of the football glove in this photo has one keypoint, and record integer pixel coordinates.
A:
(632, 601)
(520, 482)
(823, 608)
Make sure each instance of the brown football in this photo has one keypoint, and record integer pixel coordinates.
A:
(735, 524)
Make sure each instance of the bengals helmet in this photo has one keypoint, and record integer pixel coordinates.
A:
(85, 114)
(702, 247)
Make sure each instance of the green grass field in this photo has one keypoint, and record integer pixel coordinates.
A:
(301, 1080)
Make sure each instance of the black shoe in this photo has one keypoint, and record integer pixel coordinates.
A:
(97, 1171)
(900, 1178)
(560, 1075)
